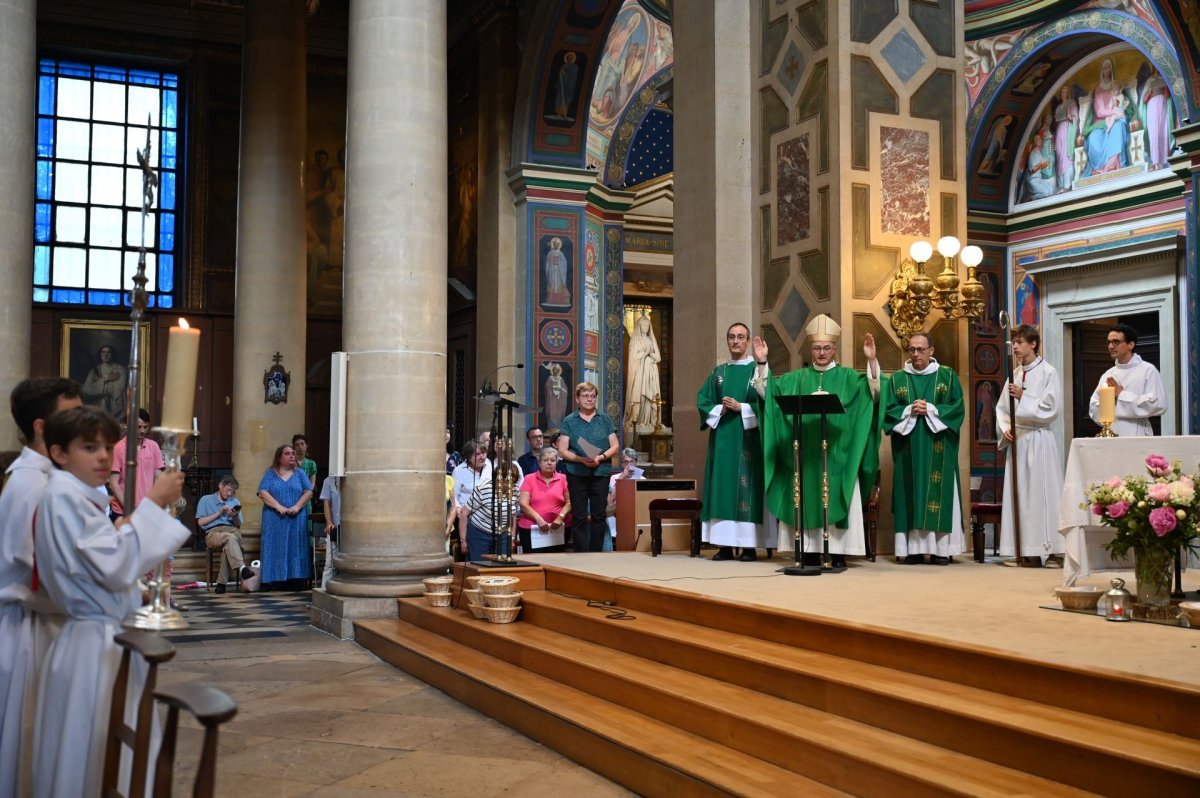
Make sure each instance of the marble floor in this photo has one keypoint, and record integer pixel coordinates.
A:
(322, 717)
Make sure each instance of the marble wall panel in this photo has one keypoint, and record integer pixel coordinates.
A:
(935, 99)
(814, 265)
(812, 20)
(773, 116)
(869, 91)
(904, 181)
(814, 102)
(873, 265)
(792, 221)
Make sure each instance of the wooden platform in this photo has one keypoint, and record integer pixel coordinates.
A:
(669, 693)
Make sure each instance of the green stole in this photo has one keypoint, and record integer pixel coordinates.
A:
(925, 464)
(733, 483)
(853, 452)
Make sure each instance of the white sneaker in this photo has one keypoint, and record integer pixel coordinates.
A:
(1054, 561)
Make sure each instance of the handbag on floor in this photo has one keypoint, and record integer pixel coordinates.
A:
(252, 584)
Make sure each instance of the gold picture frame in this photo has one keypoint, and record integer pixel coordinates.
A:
(105, 382)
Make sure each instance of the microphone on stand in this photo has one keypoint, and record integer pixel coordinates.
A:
(486, 388)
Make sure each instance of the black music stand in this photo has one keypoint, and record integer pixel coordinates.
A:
(797, 405)
(502, 428)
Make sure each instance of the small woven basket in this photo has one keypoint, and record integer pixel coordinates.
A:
(473, 581)
(438, 599)
(477, 610)
(474, 595)
(438, 584)
(1084, 597)
(500, 600)
(501, 614)
(498, 584)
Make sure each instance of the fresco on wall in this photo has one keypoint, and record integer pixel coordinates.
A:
(638, 46)
(1108, 120)
(1027, 302)
(325, 192)
(555, 256)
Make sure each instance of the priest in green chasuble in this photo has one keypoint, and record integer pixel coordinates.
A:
(923, 413)
(733, 487)
(853, 453)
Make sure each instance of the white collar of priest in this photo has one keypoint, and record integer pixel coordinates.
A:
(832, 365)
(930, 369)
(746, 361)
(1134, 360)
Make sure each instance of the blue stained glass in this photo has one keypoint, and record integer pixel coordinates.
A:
(46, 87)
(41, 295)
(110, 73)
(151, 301)
(166, 301)
(168, 149)
(104, 297)
(166, 272)
(73, 296)
(41, 265)
(45, 180)
(166, 197)
(74, 70)
(166, 232)
(47, 66)
(170, 107)
(145, 78)
(41, 225)
(170, 80)
(45, 146)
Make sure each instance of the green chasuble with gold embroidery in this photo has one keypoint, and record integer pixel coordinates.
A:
(853, 445)
(733, 485)
(924, 463)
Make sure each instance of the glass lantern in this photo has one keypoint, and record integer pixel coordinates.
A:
(1118, 602)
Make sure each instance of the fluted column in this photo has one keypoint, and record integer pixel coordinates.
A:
(18, 61)
(394, 329)
(271, 278)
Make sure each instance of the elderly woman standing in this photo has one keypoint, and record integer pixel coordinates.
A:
(285, 491)
(588, 442)
(545, 501)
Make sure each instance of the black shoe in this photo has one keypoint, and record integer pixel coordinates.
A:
(936, 560)
(914, 559)
(748, 555)
(220, 588)
(247, 572)
(725, 553)
(839, 560)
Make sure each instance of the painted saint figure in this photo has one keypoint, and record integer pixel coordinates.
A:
(554, 395)
(1066, 123)
(1107, 127)
(557, 292)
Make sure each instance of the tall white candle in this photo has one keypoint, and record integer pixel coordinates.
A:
(179, 387)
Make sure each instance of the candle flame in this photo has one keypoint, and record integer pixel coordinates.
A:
(183, 323)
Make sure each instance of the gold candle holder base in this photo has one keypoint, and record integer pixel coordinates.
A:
(1106, 430)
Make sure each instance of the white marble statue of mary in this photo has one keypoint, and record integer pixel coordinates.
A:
(642, 382)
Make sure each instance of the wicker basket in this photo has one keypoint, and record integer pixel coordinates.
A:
(474, 595)
(438, 599)
(438, 584)
(477, 610)
(1081, 597)
(501, 614)
(502, 599)
(498, 584)
(473, 581)
(1192, 610)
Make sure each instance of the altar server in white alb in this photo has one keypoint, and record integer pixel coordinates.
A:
(1140, 394)
(90, 569)
(1037, 389)
(29, 621)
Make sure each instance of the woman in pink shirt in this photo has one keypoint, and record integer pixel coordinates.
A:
(544, 502)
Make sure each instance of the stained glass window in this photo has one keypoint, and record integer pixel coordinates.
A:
(88, 225)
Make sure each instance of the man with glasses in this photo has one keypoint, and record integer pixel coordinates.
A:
(733, 488)
(528, 462)
(219, 516)
(1139, 388)
(853, 438)
(923, 414)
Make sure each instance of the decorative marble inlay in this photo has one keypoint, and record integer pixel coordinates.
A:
(793, 314)
(904, 55)
(904, 178)
(792, 221)
(791, 68)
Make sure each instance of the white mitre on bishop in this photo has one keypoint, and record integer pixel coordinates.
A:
(823, 328)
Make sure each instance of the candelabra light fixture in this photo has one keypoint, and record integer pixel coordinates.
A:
(914, 295)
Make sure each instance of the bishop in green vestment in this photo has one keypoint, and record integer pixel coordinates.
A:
(853, 437)
(733, 487)
(923, 414)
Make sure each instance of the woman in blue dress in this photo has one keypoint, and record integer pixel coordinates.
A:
(285, 491)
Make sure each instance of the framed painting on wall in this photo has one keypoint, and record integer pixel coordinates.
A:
(96, 355)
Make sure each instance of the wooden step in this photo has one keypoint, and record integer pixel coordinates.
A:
(1130, 698)
(859, 758)
(643, 754)
(1062, 745)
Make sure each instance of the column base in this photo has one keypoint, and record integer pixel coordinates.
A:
(336, 615)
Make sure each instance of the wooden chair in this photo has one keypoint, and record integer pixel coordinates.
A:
(213, 557)
(674, 508)
(154, 650)
(985, 513)
(211, 707)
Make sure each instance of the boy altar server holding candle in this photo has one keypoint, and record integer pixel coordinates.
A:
(1136, 384)
(90, 569)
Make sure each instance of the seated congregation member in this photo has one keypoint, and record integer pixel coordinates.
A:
(285, 491)
(89, 568)
(220, 518)
(545, 502)
(476, 517)
(589, 440)
(629, 470)
(29, 620)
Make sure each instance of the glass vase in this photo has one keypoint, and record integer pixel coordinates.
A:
(1152, 569)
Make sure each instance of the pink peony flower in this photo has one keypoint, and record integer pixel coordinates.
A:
(1162, 519)
(1118, 509)
(1158, 465)
(1098, 509)
(1159, 492)
(1115, 482)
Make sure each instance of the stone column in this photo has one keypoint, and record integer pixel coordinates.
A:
(18, 103)
(713, 233)
(393, 498)
(270, 307)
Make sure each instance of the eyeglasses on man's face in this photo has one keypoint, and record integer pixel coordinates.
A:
(824, 348)
(916, 350)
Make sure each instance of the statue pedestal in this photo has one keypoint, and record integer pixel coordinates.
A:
(658, 444)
